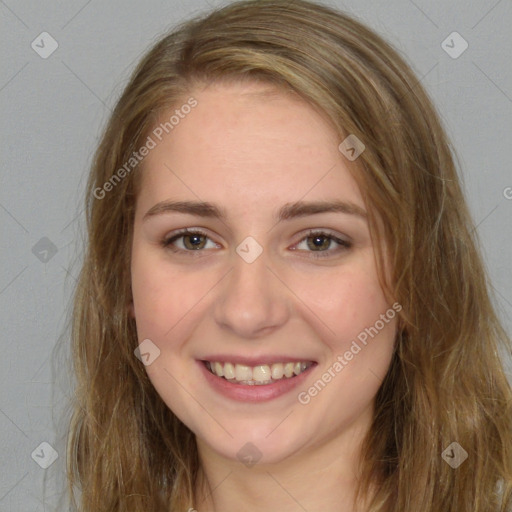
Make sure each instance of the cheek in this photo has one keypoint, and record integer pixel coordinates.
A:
(156, 302)
(359, 343)
(168, 300)
(160, 300)
(358, 328)
(346, 300)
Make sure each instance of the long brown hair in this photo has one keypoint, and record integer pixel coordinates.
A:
(126, 450)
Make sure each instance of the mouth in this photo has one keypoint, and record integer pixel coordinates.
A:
(259, 375)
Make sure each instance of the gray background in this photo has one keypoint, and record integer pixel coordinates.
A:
(52, 112)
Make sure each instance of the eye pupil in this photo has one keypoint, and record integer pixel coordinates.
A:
(320, 242)
(197, 243)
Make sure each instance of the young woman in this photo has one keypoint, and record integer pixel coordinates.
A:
(282, 306)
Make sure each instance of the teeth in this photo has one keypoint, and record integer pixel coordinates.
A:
(277, 371)
(261, 373)
(288, 369)
(243, 372)
(219, 370)
(254, 375)
(229, 371)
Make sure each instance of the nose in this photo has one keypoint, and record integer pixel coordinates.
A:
(252, 301)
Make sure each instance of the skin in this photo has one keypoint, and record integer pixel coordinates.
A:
(250, 150)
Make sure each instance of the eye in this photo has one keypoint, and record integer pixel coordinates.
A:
(320, 242)
(188, 240)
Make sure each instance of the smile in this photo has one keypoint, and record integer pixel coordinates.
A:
(257, 375)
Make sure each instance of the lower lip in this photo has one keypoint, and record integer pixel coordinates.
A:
(255, 393)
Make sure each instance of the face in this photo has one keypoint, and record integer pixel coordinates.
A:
(269, 332)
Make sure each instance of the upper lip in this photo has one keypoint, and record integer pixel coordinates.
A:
(255, 361)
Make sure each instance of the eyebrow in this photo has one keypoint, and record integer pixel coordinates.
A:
(286, 212)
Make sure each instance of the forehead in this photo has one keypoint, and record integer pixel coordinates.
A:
(251, 142)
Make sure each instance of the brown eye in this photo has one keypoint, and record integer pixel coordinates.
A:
(194, 242)
(319, 244)
(188, 241)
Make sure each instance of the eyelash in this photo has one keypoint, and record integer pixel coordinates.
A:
(345, 245)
